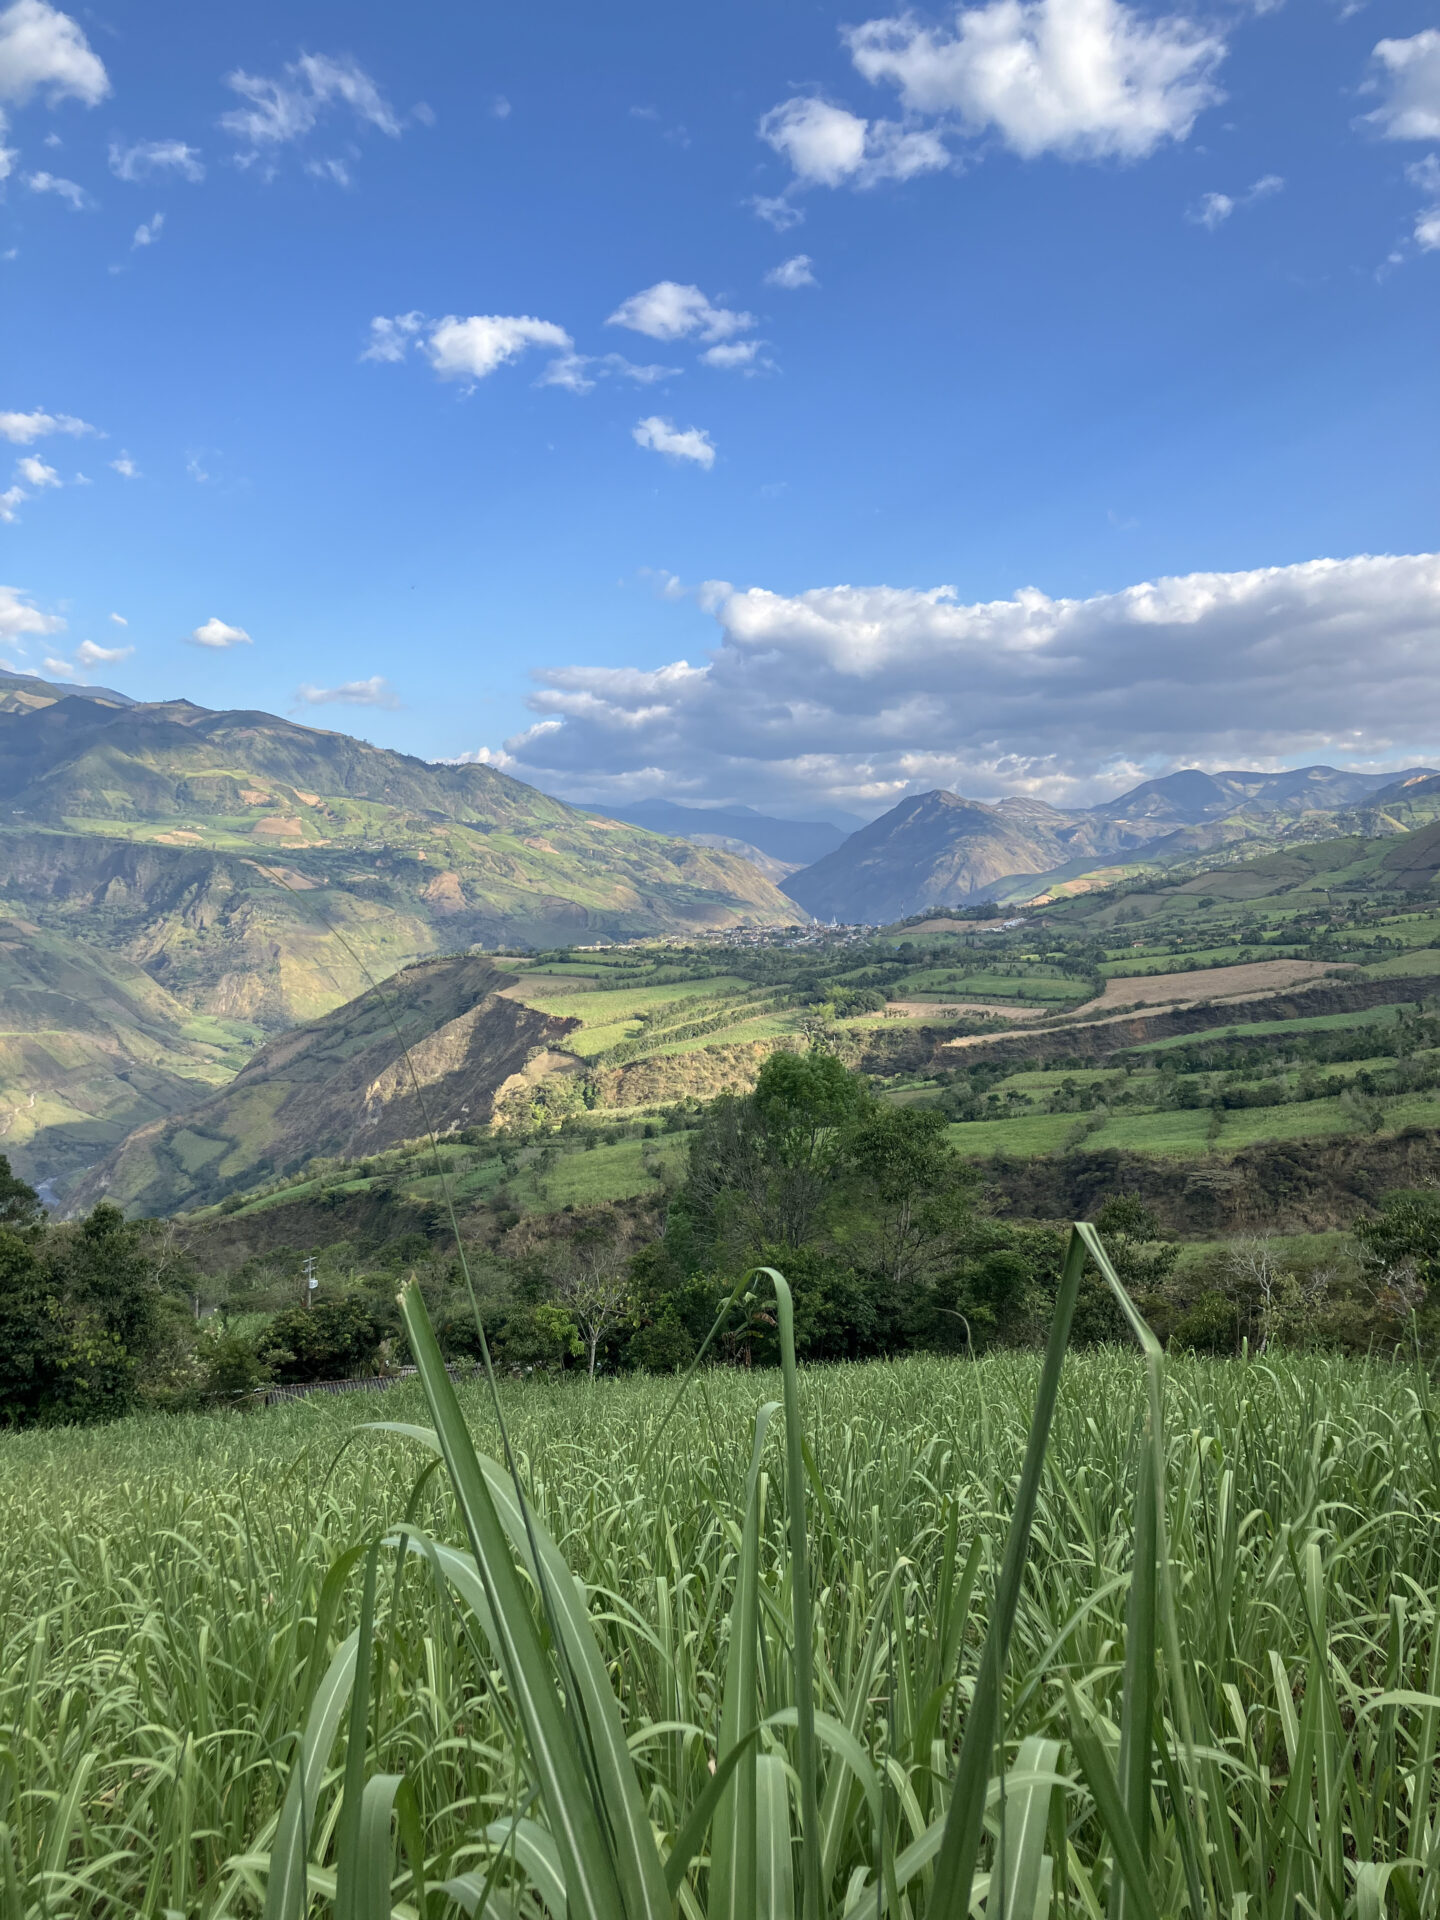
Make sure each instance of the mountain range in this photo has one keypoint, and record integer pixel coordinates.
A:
(176, 884)
(939, 849)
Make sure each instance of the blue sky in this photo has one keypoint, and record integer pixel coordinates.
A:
(796, 404)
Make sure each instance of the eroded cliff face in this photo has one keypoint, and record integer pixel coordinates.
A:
(340, 1086)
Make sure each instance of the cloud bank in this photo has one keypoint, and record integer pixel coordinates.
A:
(856, 696)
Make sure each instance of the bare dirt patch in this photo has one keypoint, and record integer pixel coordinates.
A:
(1204, 983)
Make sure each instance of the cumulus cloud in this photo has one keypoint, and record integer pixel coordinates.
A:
(736, 356)
(61, 669)
(374, 692)
(146, 158)
(797, 271)
(468, 349)
(89, 655)
(856, 696)
(125, 467)
(1087, 79)
(45, 51)
(663, 436)
(671, 311)
(1407, 73)
(215, 633)
(119, 619)
(292, 105)
(35, 472)
(10, 500)
(19, 616)
(148, 232)
(828, 146)
(69, 191)
(23, 429)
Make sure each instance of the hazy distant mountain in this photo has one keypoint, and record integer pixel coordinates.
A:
(938, 849)
(20, 692)
(799, 843)
(1190, 797)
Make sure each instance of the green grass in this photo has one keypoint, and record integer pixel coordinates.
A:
(178, 1600)
(612, 1172)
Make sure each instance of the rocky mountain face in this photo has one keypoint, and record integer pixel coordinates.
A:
(938, 849)
(429, 1049)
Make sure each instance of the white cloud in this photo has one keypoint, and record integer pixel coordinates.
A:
(1425, 174)
(777, 210)
(148, 232)
(89, 655)
(18, 616)
(663, 436)
(471, 349)
(374, 692)
(9, 500)
(69, 191)
(215, 633)
(44, 51)
(61, 669)
(335, 171)
(670, 311)
(1087, 79)
(578, 372)
(823, 144)
(146, 158)
(736, 356)
(1212, 210)
(36, 472)
(119, 619)
(828, 146)
(289, 107)
(391, 339)
(23, 429)
(798, 271)
(1408, 73)
(468, 349)
(125, 467)
(859, 695)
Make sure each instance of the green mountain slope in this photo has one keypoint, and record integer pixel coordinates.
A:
(339, 1085)
(90, 1048)
(213, 848)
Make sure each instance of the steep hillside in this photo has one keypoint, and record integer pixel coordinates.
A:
(90, 1048)
(340, 1085)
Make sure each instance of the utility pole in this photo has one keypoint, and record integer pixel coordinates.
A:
(311, 1283)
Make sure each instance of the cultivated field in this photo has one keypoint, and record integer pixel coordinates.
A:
(1242, 1723)
(1204, 983)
